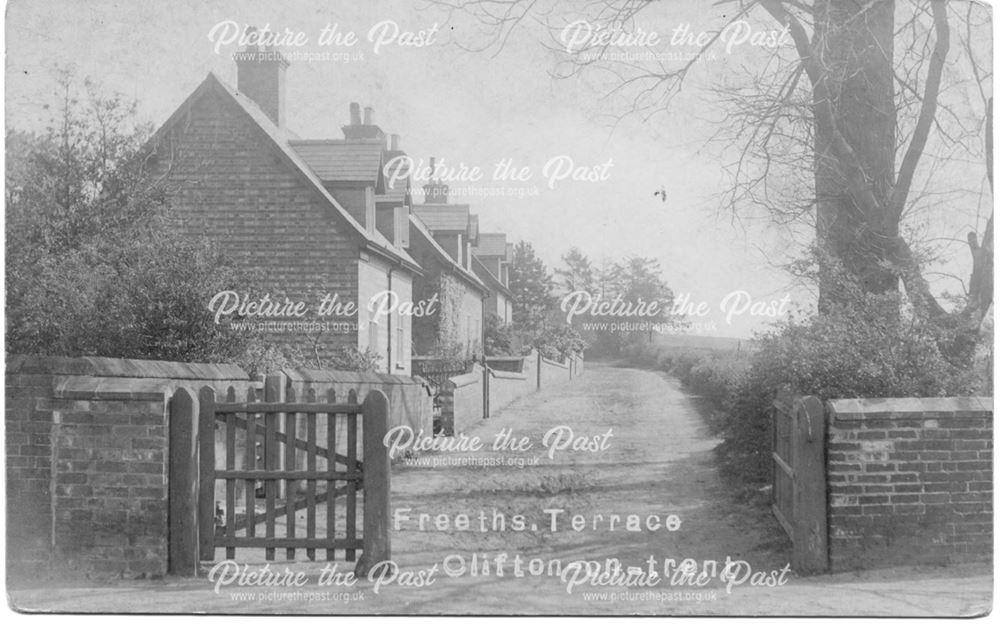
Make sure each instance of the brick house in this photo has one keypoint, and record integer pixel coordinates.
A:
(313, 217)
(441, 239)
(491, 258)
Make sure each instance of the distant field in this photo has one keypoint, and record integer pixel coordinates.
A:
(704, 343)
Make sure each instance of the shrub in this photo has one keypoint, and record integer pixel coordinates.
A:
(558, 342)
(500, 337)
(848, 352)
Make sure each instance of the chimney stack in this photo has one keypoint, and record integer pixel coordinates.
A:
(260, 75)
(435, 192)
(359, 129)
(393, 142)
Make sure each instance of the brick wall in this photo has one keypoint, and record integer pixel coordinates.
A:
(506, 387)
(28, 443)
(910, 481)
(86, 442)
(466, 392)
(462, 397)
(109, 482)
(228, 182)
(553, 373)
(410, 404)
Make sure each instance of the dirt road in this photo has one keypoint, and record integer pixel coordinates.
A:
(642, 451)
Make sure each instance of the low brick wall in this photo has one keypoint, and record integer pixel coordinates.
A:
(510, 364)
(576, 364)
(411, 403)
(510, 379)
(910, 481)
(87, 462)
(466, 392)
(553, 373)
(506, 387)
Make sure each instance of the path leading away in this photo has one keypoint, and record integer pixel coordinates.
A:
(643, 462)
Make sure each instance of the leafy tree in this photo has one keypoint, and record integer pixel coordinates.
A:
(531, 287)
(93, 267)
(577, 274)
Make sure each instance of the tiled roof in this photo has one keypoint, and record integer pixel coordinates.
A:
(395, 192)
(282, 139)
(421, 228)
(342, 161)
(491, 245)
(486, 275)
(444, 217)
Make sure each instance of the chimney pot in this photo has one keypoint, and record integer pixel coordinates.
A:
(368, 115)
(355, 114)
(394, 142)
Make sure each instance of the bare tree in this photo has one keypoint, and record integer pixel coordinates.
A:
(855, 129)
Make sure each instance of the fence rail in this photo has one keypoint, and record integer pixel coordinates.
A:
(437, 371)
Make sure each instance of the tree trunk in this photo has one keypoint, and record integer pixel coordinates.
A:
(853, 48)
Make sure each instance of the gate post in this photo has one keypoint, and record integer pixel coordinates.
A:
(182, 482)
(486, 389)
(274, 392)
(376, 480)
(206, 474)
(810, 551)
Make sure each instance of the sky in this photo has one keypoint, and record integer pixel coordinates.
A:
(471, 108)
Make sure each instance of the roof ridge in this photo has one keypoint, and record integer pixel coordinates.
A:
(282, 141)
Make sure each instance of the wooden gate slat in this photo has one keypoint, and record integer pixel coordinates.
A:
(270, 464)
(290, 495)
(230, 483)
(311, 483)
(352, 490)
(250, 461)
(331, 468)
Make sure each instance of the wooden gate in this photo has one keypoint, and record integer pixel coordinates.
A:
(799, 478)
(287, 476)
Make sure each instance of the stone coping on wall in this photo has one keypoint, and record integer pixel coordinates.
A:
(460, 381)
(907, 407)
(119, 367)
(111, 389)
(506, 358)
(554, 363)
(500, 374)
(313, 375)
